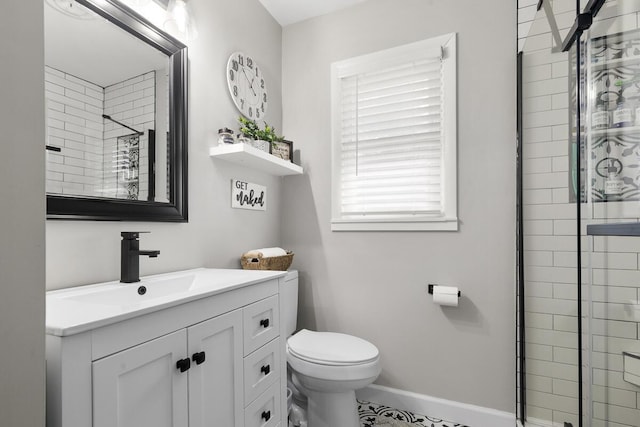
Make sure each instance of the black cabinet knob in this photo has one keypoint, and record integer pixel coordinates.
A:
(198, 357)
(264, 323)
(266, 415)
(265, 369)
(183, 365)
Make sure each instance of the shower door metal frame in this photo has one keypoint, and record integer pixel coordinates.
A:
(520, 242)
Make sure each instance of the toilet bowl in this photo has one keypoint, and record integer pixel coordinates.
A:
(327, 367)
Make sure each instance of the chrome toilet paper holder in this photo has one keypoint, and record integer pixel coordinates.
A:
(430, 290)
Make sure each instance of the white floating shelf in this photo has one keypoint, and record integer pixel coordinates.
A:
(251, 157)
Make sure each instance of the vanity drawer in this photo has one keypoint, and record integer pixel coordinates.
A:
(261, 323)
(261, 369)
(265, 410)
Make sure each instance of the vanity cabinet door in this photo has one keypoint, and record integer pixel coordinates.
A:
(142, 386)
(216, 383)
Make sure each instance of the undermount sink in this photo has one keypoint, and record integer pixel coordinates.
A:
(74, 310)
(145, 291)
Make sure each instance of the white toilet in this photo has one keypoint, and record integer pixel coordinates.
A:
(326, 367)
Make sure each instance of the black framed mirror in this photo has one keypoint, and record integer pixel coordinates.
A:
(116, 103)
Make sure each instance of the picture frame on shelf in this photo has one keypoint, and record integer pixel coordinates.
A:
(282, 150)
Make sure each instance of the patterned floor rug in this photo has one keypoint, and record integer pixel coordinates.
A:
(374, 415)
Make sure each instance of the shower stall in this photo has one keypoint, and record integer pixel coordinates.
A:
(579, 215)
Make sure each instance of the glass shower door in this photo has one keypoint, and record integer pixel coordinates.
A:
(612, 189)
(579, 293)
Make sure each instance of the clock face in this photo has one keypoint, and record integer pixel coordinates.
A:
(247, 86)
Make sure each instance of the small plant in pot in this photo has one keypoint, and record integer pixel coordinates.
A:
(250, 129)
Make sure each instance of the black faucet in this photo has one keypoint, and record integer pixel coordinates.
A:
(130, 256)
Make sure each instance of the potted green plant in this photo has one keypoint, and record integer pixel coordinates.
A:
(248, 128)
(263, 138)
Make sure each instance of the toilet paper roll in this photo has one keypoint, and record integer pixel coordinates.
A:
(445, 295)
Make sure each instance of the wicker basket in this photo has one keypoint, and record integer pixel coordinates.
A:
(253, 262)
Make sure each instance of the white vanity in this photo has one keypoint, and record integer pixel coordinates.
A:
(189, 349)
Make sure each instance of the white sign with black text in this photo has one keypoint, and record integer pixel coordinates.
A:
(245, 195)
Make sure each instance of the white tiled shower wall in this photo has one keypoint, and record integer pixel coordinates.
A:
(87, 140)
(550, 256)
(549, 236)
(526, 14)
(549, 227)
(75, 125)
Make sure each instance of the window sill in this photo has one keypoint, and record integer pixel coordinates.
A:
(440, 224)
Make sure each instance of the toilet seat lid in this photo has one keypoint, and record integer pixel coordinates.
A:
(331, 348)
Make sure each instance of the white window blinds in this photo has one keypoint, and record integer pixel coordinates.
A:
(390, 156)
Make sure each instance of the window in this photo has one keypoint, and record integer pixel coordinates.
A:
(394, 139)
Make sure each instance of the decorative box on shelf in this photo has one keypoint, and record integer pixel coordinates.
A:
(260, 144)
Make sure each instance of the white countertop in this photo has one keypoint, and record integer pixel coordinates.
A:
(79, 309)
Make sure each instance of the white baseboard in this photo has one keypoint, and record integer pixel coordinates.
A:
(449, 410)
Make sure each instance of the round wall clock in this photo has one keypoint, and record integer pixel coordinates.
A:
(247, 86)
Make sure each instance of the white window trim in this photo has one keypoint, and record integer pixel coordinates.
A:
(448, 221)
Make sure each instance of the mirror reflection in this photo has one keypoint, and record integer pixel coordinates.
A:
(107, 108)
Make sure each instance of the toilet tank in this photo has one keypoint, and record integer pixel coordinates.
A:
(289, 303)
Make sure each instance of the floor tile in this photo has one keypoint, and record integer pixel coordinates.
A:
(372, 414)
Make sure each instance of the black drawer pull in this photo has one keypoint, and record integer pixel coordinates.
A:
(198, 357)
(266, 415)
(183, 365)
(265, 369)
(264, 323)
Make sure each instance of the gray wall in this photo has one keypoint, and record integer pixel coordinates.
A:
(368, 284)
(216, 235)
(22, 271)
(373, 284)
